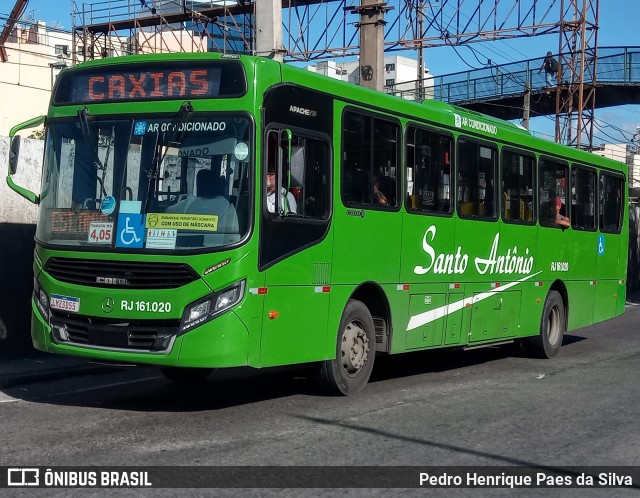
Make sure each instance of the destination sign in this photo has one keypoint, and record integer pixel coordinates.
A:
(136, 82)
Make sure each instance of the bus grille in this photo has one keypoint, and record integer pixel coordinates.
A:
(134, 335)
(120, 274)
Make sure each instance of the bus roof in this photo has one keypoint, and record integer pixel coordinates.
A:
(454, 118)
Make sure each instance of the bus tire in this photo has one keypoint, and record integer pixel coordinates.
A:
(349, 372)
(181, 375)
(553, 326)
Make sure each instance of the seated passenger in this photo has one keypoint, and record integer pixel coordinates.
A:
(378, 196)
(560, 219)
(287, 203)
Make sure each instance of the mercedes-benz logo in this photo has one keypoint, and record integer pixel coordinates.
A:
(107, 304)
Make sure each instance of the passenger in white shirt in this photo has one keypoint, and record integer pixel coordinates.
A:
(287, 202)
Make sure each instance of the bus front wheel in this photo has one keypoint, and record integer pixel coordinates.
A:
(181, 375)
(349, 372)
(552, 328)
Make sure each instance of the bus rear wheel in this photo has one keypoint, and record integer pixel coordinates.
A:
(181, 375)
(349, 372)
(552, 328)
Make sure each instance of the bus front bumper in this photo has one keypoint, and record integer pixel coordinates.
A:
(222, 342)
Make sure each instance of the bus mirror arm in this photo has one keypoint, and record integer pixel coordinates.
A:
(14, 157)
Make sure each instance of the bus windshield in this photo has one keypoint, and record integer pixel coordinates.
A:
(170, 183)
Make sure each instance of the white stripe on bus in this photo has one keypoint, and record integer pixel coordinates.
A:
(432, 315)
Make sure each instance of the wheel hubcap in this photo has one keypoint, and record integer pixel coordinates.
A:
(355, 348)
(553, 325)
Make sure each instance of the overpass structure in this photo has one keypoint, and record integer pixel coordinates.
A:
(502, 91)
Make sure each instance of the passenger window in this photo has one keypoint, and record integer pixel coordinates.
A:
(370, 156)
(552, 197)
(476, 180)
(583, 199)
(611, 197)
(303, 176)
(517, 187)
(428, 171)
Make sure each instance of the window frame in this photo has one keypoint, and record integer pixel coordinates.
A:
(452, 166)
(567, 166)
(307, 134)
(596, 216)
(534, 187)
(399, 159)
(622, 178)
(481, 143)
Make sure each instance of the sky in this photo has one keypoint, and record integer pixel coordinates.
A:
(618, 25)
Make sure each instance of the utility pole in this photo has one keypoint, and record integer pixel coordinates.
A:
(372, 42)
(576, 83)
(526, 113)
(420, 49)
(269, 29)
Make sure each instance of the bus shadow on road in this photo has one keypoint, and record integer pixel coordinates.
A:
(442, 360)
(145, 389)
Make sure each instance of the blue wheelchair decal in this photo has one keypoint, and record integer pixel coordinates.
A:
(130, 230)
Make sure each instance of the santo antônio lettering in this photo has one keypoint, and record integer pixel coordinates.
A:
(456, 263)
(148, 85)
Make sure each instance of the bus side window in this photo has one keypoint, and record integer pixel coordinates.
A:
(611, 202)
(552, 186)
(370, 158)
(304, 180)
(517, 187)
(476, 180)
(428, 171)
(583, 199)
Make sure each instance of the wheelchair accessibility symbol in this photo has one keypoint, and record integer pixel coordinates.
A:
(130, 230)
(600, 245)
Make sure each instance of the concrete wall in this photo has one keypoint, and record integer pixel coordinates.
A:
(17, 229)
(25, 83)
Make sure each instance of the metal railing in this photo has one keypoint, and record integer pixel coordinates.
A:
(615, 65)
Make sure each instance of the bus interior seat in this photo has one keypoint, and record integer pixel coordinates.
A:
(209, 184)
(466, 208)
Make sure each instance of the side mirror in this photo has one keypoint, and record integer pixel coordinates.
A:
(14, 155)
(14, 152)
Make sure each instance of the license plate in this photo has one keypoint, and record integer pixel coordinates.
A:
(64, 303)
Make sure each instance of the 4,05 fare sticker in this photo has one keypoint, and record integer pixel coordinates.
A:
(100, 232)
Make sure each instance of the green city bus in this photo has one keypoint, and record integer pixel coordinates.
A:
(202, 211)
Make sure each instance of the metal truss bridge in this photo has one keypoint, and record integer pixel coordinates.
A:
(500, 90)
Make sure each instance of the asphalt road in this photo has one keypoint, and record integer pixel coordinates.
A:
(481, 407)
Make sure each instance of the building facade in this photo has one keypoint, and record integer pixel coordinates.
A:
(400, 75)
(36, 55)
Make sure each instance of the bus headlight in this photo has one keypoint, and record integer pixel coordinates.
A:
(208, 308)
(41, 299)
(198, 311)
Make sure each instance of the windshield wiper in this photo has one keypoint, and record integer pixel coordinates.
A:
(87, 132)
(174, 127)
